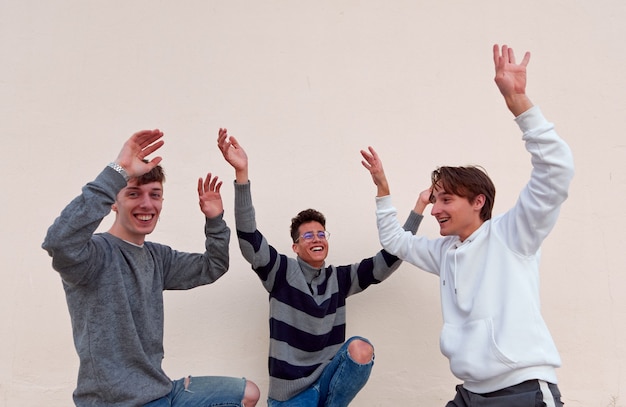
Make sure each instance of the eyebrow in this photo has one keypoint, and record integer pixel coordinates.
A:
(136, 188)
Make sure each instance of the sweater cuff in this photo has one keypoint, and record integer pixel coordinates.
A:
(243, 197)
(214, 225)
(531, 119)
(112, 181)
(383, 202)
(413, 222)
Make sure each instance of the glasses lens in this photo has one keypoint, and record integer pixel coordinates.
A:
(321, 235)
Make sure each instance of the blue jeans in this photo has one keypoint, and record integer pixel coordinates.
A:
(338, 384)
(203, 391)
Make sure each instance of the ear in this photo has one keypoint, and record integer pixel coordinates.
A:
(479, 202)
(114, 207)
(295, 248)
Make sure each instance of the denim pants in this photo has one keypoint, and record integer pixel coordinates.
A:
(203, 391)
(531, 393)
(338, 384)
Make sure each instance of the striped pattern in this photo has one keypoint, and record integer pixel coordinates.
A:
(307, 305)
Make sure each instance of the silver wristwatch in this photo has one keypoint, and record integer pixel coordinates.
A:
(119, 169)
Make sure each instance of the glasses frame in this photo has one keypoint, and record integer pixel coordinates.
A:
(321, 235)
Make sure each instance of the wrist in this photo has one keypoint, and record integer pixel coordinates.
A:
(382, 191)
(518, 103)
(120, 170)
(241, 176)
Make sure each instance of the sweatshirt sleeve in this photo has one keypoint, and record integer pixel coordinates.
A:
(416, 250)
(535, 213)
(187, 270)
(375, 269)
(264, 259)
(68, 240)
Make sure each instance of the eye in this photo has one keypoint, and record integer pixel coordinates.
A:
(307, 235)
(156, 195)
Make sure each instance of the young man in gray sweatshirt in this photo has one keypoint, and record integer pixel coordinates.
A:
(114, 284)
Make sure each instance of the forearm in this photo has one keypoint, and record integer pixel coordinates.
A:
(382, 188)
(518, 103)
(217, 241)
(183, 270)
(241, 175)
(69, 235)
(413, 221)
(253, 246)
(537, 208)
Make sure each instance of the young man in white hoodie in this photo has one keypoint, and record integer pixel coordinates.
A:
(493, 335)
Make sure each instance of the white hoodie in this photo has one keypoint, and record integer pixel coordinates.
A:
(493, 332)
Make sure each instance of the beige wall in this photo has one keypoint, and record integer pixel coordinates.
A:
(305, 86)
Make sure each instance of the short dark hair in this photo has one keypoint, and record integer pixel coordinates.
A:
(305, 216)
(157, 174)
(467, 182)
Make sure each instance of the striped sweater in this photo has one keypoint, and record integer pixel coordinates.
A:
(307, 305)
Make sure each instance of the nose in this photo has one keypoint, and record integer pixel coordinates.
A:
(145, 201)
(435, 209)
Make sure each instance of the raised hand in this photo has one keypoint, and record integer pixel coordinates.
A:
(423, 200)
(234, 154)
(209, 195)
(136, 149)
(232, 151)
(374, 165)
(511, 78)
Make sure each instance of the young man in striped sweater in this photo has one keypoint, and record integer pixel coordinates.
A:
(310, 362)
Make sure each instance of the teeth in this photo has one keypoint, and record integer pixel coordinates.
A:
(144, 217)
(317, 249)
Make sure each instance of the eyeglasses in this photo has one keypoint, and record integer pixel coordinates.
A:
(309, 236)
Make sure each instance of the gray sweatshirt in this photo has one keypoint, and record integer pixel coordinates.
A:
(114, 291)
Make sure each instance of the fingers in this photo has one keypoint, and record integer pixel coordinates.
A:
(373, 153)
(143, 143)
(146, 137)
(222, 134)
(209, 184)
(496, 54)
(222, 139)
(507, 55)
(146, 151)
(371, 158)
(232, 140)
(200, 188)
(215, 184)
(225, 142)
(526, 59)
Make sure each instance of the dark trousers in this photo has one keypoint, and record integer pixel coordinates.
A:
(531, 393)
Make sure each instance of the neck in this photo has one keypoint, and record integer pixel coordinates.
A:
(137, 240)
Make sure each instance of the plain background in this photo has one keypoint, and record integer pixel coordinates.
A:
(305, 85)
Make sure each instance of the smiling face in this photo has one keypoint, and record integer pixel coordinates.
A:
(313, 252)
(137, 209)
(456, 215)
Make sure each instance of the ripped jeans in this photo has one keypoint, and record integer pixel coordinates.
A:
(203, 391)
(338, 384)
